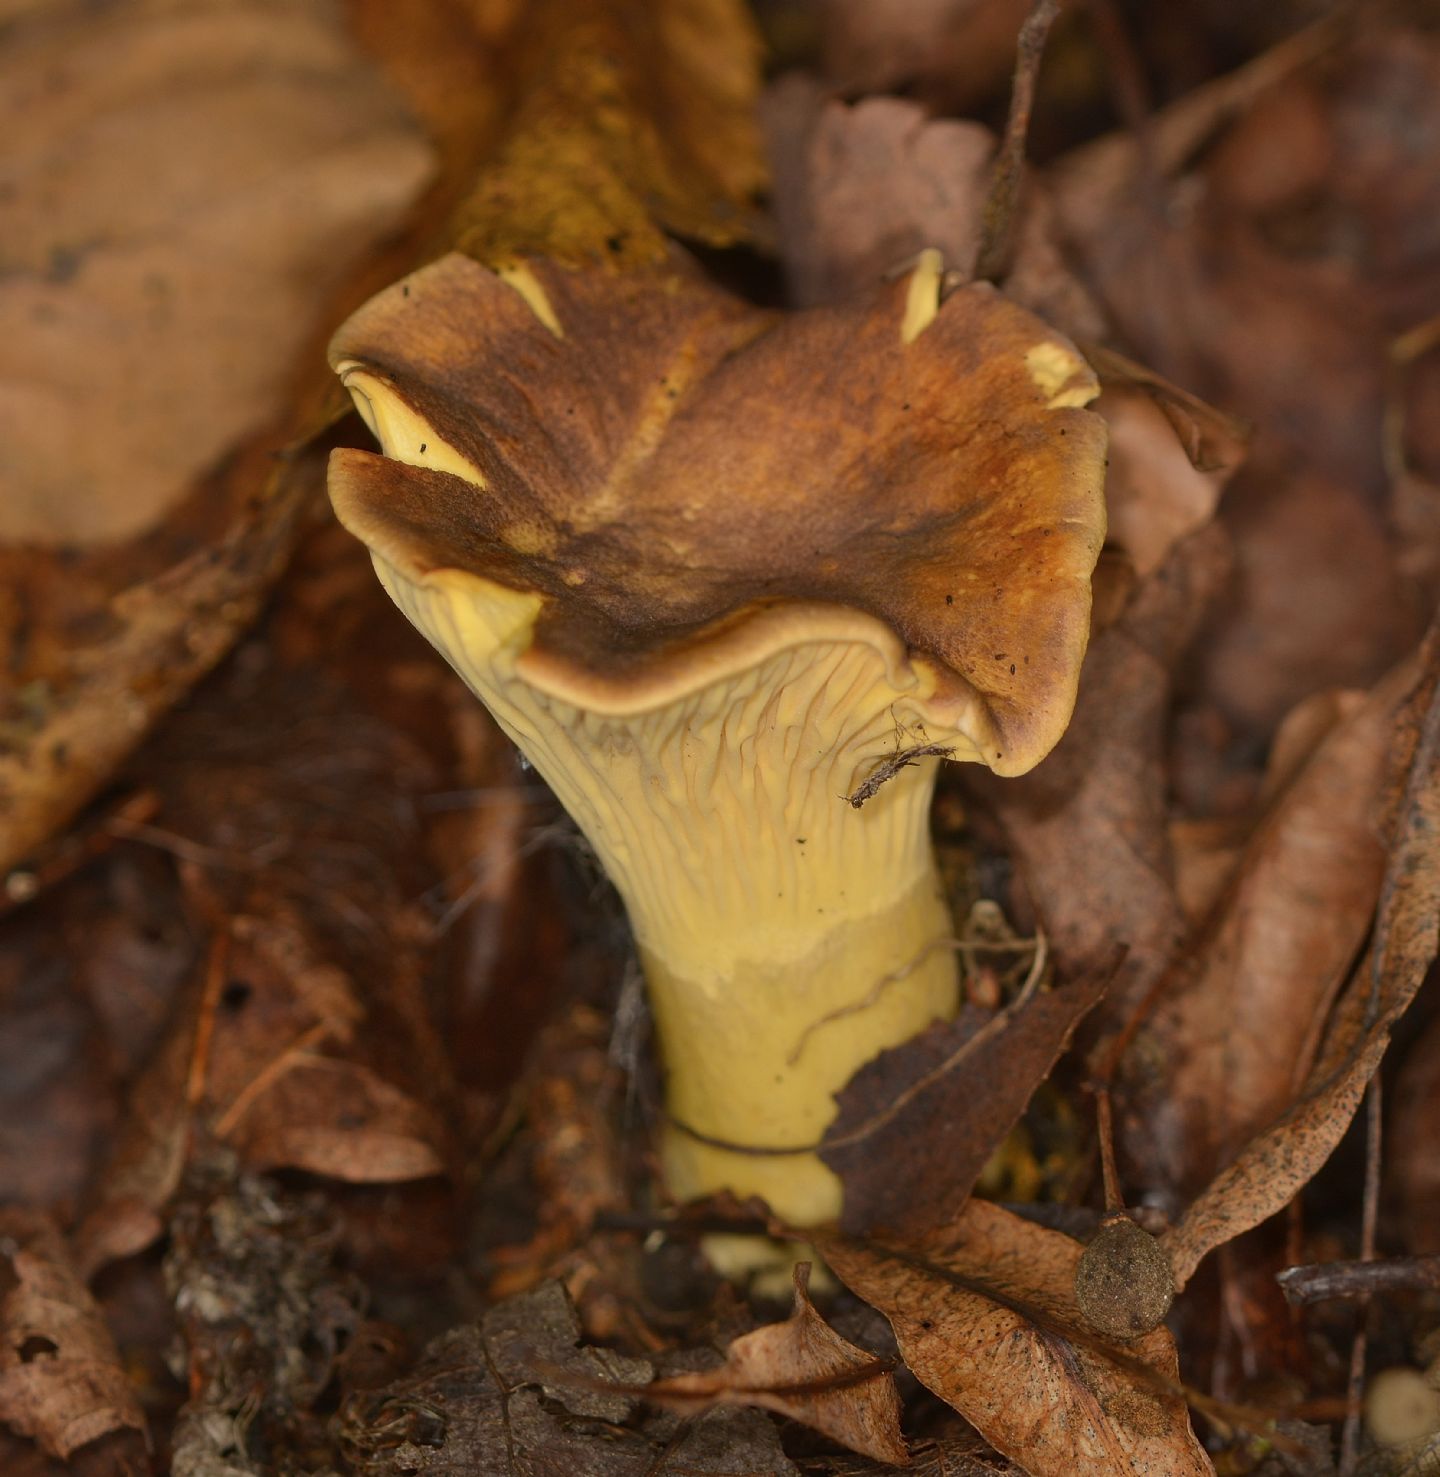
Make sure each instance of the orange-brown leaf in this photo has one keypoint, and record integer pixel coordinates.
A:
(984, 1311)
(802, 1369)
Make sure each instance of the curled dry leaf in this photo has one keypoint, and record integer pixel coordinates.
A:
(61, 1380)
(1239, 1026)
(918, 1123)
(1272, 1166)
(802, 1369)
(1154, 493)
(986, 1317)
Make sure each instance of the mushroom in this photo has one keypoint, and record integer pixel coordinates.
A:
(735, 581)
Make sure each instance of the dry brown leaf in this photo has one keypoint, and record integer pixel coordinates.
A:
(1239, 1024)
(1154, 495)
(917, 1124)
(1278, 1161)
(802, 1369)
(61, 1380)
(1229, 289)
(860, 189)
(982, 1309)
(186, 185)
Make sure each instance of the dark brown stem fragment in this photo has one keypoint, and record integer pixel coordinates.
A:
(1325, 1282)
(1370, 1215)
(1002, 205)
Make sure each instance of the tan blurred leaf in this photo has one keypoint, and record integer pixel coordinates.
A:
(631, 117)
(802, 1369)
(186, 184)
(981, 1310)
(61, 1380)
(192, 183)
(1154, 496)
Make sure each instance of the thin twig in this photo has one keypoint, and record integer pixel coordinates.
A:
(1350, 1435)
(1002, 204)
(1323, 1282)
(1104, 1127)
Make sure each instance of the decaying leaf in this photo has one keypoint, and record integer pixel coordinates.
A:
(264, 1311)
(61, 1379)
(1239, 1026)
(1272, 1167)
(985, 1314)
(514, 1394)
(917, 1124)
(802, 1369)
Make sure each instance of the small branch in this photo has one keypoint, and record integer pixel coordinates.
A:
(1002, 204)
(1106, 1132)
(1325, 1282)
(1370, 1215)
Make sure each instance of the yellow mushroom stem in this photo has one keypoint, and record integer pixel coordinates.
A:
(786, 936)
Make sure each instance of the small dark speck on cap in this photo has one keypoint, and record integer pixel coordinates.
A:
(404, 289)
(949, 600)
(423, 444)
(1012, 669)
(999, 656)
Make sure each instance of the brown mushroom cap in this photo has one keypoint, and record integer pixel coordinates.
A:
(688, 483)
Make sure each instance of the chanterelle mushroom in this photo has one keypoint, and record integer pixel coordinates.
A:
(714, 570)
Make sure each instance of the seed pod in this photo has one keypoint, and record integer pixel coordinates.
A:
(1123, 1283)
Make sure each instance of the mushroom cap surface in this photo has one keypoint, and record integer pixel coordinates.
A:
(686, 484)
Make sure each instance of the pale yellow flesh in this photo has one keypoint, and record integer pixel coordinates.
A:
(786, 936)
